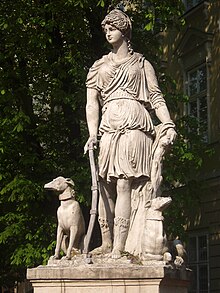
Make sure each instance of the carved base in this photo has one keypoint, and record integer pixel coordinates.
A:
(114, 276)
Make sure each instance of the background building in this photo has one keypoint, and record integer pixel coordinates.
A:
(192, 56)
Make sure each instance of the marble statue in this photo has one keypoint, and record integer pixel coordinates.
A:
(123, 85)
(71, 226)
(134, 256)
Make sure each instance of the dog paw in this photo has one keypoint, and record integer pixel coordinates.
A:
(178, 261)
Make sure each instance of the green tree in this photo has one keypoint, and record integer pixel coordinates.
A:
(44, 53)
(46, 49)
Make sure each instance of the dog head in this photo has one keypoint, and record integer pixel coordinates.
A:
(159, 203)
(155, 207)
(60, 184)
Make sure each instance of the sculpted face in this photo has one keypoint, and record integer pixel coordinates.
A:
(113, 35)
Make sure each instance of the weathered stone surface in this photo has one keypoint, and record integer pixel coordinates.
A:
(123, 85)
(71, 226)
(129, 278)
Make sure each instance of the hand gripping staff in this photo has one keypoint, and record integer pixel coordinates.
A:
(93, 210)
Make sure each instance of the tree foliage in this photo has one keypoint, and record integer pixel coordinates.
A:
(46, 49)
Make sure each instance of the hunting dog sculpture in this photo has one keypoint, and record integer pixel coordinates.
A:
(155, 242)
(71, 225)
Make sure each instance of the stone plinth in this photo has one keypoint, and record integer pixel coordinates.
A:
(109, 278)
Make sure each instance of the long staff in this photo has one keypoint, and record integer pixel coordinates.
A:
(93, 210)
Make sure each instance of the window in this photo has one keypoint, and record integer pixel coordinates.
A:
(198, 262)
(191, 3)
(197, 92)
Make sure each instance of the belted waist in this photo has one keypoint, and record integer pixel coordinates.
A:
(116, 95)
(118, 98)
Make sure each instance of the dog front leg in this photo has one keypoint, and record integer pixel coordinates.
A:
(59, 240)
(73, 232)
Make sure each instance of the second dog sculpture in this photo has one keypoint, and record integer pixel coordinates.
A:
(155, 241)
(71, 226)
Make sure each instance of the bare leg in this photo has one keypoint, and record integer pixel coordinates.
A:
(122, 216)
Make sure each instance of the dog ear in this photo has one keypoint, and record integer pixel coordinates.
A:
(70, 182)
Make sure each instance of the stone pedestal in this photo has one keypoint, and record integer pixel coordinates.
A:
(109, 278)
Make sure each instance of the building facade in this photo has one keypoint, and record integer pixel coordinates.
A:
(192, 55)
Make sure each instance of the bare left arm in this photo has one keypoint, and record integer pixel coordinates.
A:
(158, 101)
(163, 114)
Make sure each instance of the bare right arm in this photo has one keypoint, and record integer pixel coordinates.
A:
(92, 116)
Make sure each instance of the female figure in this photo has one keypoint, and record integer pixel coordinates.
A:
(124, 85)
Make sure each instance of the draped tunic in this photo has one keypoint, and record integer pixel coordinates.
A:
(127, 90)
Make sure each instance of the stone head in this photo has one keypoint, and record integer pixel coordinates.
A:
(158, 203)
(120, 21)
(60, 184)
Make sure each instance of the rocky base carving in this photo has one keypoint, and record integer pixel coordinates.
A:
(106, 261)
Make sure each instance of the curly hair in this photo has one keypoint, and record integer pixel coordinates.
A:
(120, 21)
